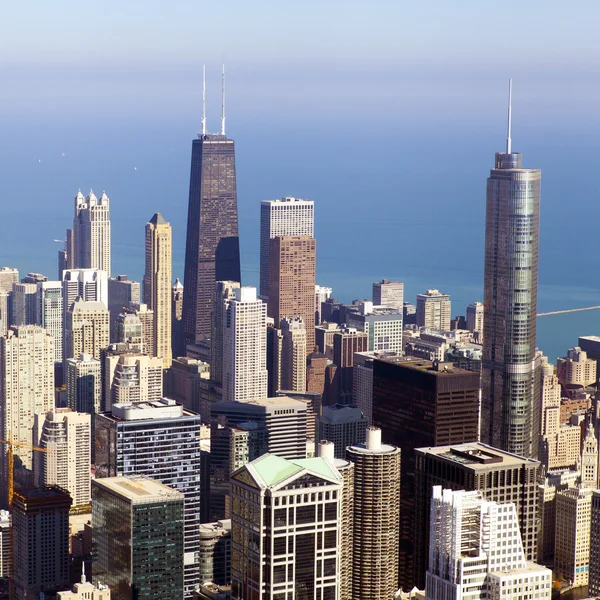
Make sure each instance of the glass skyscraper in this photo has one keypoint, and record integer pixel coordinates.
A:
(509, 384)
(212, 245)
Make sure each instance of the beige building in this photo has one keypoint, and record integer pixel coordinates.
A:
(288, 370)
(572, 536)
(589, 459)
(84, 590)
(157, 284)
(26, 389)
(145, 316)
(224, 291)
(66, 437)
(8, 276)
(475, 320)
(577, 369)
(389, 294)
(376, 522)
(292, 275)
(434, 310)
(86, 329)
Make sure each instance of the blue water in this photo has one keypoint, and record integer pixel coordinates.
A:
(407, 202)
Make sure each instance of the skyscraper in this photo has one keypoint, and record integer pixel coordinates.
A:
(389, 294)
(24, 303)
(157, 284)
(177, 344)
(121, 291)
(84, 384)
(212, 250)
(292, 275)
(224, 291)
(86, 329)
(91, 232)
(509, 403)
(49, 313)
(287, 370)
(434, 310)
(285, 217)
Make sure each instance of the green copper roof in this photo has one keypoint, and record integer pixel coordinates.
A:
(273, 469)
(319, 466)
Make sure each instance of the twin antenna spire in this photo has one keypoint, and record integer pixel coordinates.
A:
(204, 100)
(508, 140)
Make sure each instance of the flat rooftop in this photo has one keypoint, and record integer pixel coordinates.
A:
(441, 369)
(137, 488)
(278, 402)
(165, 408)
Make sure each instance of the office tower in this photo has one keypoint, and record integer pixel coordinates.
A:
(40, 520)
(345, 343)
(383, 326)
(572, 537)
(594, 564)
(177, 342)
(91, 232)
(224, 291)
(322, 293)
(389, 294)
(49, 313)
(8, 277)
(316, 363)
(433, 310)
(589, 459)
(418, 403)
(130, 377)
(157, 284)
(324, 337)
(5, 310)
(245, 347)
(498, 475)
(509, 405)
(467, 560)
(137, 538)
(24, 304)
(288, 368)
(84, 384)
(90, 285)
(86, 329)
(343, 425)
(26, 389)
(314, 402)
(283, 418)
(301, 560)
(127, 444)
(188, 382)
(212, 250)
(576, 370)
(292, 281)
(85, 590)
(362, 384)
(66, 436)
(376, 521)
(475, 320)
(121, 291)
(215, 552)
(281, 218)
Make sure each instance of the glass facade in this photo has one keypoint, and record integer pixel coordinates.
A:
(509, 382)
(212, 245)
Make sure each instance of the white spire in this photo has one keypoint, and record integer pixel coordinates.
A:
(203, 99)
(83, 579)
(508, 140)
(223, 101)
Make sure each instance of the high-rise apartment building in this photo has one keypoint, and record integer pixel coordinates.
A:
(498, 475)
(121, 291)
(66, 437)
(177, 341)
(24, 304)
(137, 538)
(362, 383)
(86, 329)
(476, 551)
(322, 293)
(292, 275)
(316, 364)
(245, 347)
(509, 399)
(286, 529)
(475, 320)
(91, 232)
(212, 250)
(434, 310)
(577, 370)
(84, 384)
(215, 552)
(26, 389)
(278, 218)
(49, 313)
(157, 284)
(342, 425)
(40, 519)
(288, 365)
(128, 443)
(346, 342)
(135, 325)
(376, 517)
(8, 277)
(224, 291)
(389, 294)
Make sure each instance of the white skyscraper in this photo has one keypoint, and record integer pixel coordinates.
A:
(245, 347)
(66, 436)
(322, 293)
(475, 551)
(90, 285)
(49, 313)
(286, 217)
(91, 232)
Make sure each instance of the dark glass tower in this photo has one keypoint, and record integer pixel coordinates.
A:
(509, 404)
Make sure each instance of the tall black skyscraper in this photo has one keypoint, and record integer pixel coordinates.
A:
(510, 388)
(212, 250)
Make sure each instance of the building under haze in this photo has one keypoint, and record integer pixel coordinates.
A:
(510, 407)
(434, 310)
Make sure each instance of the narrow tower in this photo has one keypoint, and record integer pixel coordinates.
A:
(509, 409)
(212, 244)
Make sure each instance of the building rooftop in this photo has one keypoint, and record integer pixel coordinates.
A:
(165, 408)
(436, 368)
(137, 488)
(278, 402)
